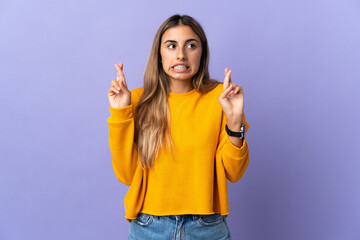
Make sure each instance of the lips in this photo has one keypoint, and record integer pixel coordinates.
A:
(180, 66)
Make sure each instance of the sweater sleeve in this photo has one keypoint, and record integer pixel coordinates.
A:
(235, 160)
(121, 140)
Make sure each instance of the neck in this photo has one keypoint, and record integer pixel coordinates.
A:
(180, 86)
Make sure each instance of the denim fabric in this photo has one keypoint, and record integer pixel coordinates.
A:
(179, 227)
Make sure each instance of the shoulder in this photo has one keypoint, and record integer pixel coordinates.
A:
(136, 94)
(216, 91)
(137, 91)
(211, 98)
(219, 88)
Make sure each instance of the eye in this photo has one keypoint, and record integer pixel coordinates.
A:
(191, 45)
(171, 46)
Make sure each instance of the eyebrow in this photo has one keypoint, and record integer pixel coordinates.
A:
(189, 40)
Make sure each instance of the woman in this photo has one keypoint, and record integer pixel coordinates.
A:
(176, 140)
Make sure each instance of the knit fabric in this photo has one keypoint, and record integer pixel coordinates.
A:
(195, 180)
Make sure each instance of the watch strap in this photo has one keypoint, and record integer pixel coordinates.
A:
(236, 134)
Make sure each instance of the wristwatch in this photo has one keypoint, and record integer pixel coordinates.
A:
(240, 134)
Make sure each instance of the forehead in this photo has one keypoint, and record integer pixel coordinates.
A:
(179, 33)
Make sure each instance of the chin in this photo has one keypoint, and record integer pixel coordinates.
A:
(181, 78)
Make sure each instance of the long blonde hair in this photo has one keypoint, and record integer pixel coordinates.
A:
(152, 116)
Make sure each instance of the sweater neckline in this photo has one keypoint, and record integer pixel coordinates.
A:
(177, 95)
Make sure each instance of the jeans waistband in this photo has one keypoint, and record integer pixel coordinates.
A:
(185, 217)
(193, 217)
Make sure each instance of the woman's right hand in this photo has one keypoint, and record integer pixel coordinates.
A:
(118, 94)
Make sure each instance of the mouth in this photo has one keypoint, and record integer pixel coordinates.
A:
(180, 68)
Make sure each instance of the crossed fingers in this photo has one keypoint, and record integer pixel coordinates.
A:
(120, 74)
(228, 86)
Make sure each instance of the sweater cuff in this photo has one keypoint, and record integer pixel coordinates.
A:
(121, 114)
(233, 151)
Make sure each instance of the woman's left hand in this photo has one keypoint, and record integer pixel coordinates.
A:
(232, 102)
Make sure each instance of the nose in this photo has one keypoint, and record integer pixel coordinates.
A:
(181, 55)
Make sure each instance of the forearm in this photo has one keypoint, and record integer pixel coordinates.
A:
(121, 140)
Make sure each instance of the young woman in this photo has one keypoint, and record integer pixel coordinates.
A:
(176, 140)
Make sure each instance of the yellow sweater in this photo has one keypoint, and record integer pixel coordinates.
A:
(195, 182)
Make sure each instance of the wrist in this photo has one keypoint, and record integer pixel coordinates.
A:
(234, 126)
(234, 122)
(240, 134)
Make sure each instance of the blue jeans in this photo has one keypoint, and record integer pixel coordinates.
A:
(179, 227)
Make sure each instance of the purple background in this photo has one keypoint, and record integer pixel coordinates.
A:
(299, 65)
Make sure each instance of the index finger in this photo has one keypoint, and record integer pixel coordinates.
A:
(120, 73)
(227, 79)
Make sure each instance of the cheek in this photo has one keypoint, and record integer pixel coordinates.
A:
(197, 58)
(164, 59)
(165, 65)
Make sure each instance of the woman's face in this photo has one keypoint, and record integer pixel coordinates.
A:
(180, 52)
